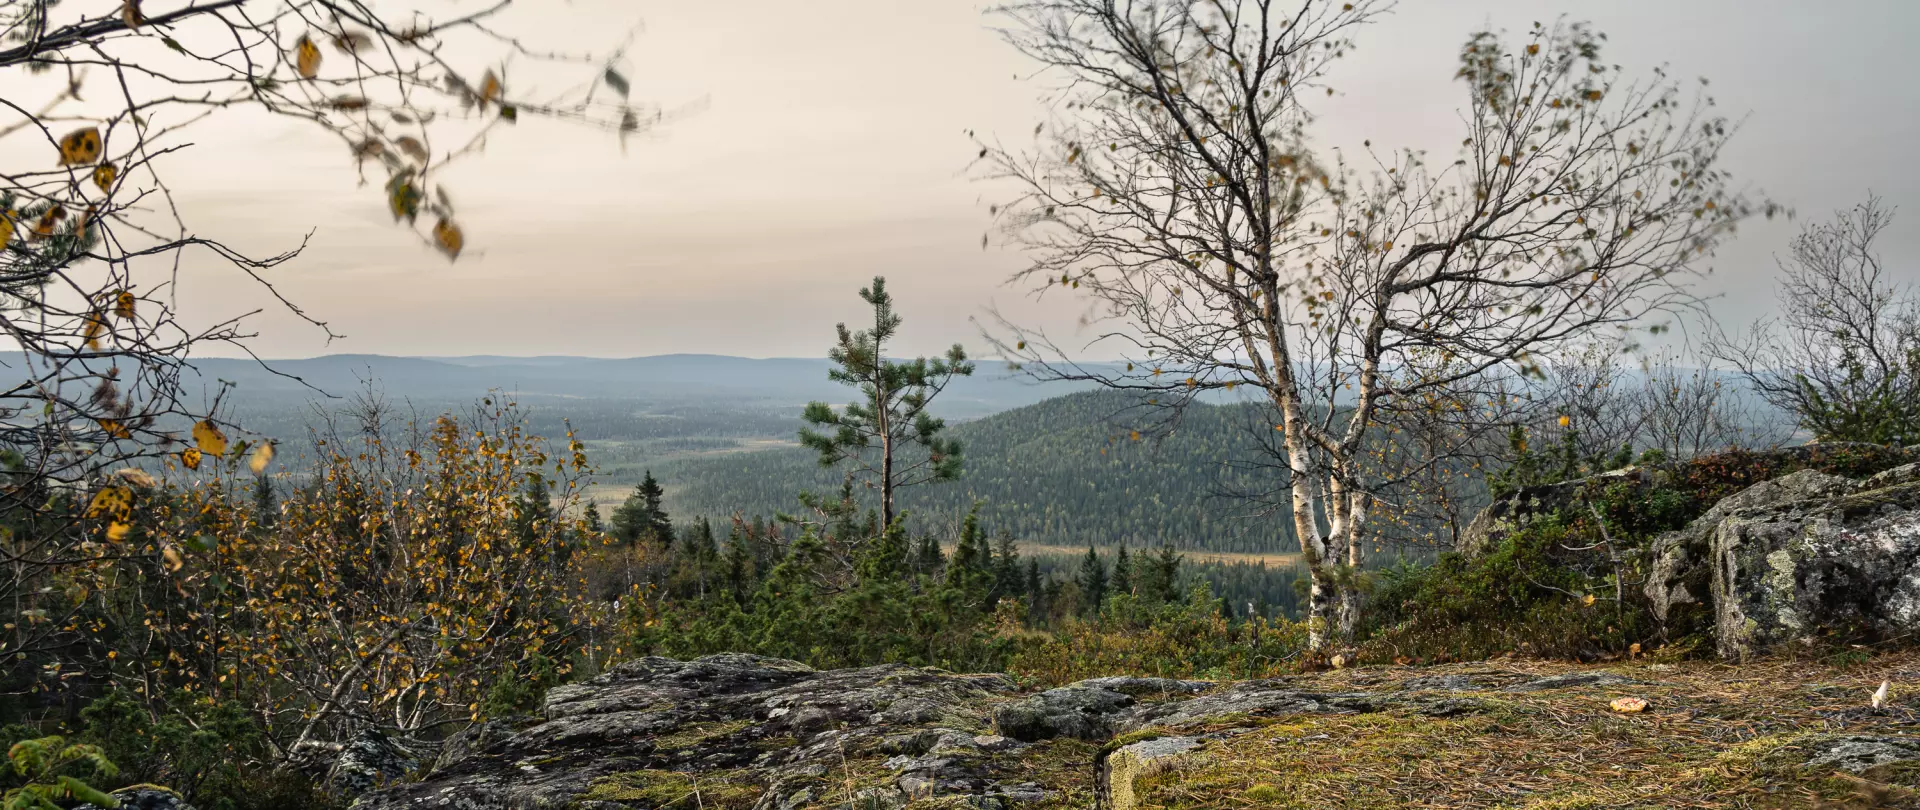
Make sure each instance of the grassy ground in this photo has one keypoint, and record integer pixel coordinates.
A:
(1713, 736)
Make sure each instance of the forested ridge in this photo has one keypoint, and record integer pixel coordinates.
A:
(1066, 471)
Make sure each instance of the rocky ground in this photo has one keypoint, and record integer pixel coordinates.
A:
(740, 732)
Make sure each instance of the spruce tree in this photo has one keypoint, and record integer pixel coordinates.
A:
(1093, 582)
(874, 434)
(641, 517)
(1007, 581)
(1121, 584)
(265, 506)
(970, 569)
(592, 518)
(1165, 570)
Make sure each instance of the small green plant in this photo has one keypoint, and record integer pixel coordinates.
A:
(41, 763)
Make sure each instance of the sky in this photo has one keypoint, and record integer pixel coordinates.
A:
(821, 143)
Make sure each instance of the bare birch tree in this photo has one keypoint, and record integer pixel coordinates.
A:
(1178, 189)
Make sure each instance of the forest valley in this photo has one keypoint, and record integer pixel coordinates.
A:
(1435, 386)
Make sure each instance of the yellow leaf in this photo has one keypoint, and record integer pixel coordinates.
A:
(447, 236)
(191, 458)
(261, 458)
(1135, 435)
(306, 57)
(103, 176)
(174, 563)
(490, 88)
(1533, 49)
(1565, 420)
(1587, 600)
(113, 501)
(96, 325)
(115, 429)
(207, 436)
(1629, 705)
(6, 229)
(49, 220)
(117, 531)
(80, 147)
(123, 305)
(130, 13)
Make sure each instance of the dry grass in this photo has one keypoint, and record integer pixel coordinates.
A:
(1715, 736)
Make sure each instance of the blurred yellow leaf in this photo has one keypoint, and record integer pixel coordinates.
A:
(115, 429)
(261, 458)
(103, 176)
(207, 436)
(130, 13)
(6, 229)
(80, 147)
(113, 501)
(123, 305)
(174, 563)
(1565, 420)
(117, 531)
(191, 458)
(96, 325)
(490, 88)
(1629, 705)
(448, 238)
(136, 476)
(306, 57)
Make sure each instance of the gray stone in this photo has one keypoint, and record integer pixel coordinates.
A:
(1571, 681)
(1145, 687)
(775, 727)
(368, 761)
(1859, 752)
(1087, 713)
(1253, 699)
(1125, 766)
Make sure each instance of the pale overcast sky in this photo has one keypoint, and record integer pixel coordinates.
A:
(831, 147)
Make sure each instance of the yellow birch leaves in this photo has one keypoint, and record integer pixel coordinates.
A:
(80, 147)
(190, 458)
(306, 57)
(208, 438)
(104, 175)
(262, 456)
(448, 238)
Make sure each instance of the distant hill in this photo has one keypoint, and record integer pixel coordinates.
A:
(1041, 474)
(671, 378)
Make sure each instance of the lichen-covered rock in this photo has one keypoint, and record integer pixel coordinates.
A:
(1251, 699)
(144, 797)
(1570, 681)
(476, 738)
(1794, 571)
(1162, 688)
(734, 732)
(368, 761)
(1124, 767)
(1859, 752)
(1078, 711)
(1679, 573)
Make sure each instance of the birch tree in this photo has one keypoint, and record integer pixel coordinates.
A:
(1178, 190)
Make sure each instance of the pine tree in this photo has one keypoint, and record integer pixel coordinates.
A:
(1093, 582)
(872, 434)
(1121, 584)
(592, 518)
(737, 566)
(1037, 602)
(927, 557)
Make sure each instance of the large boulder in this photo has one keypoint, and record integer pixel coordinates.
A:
(1847, 566)
(144, 797)
(1509, 514)
(734, 732)
(1079, 711)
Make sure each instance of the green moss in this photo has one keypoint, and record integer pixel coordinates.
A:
(699, 733)
(1132, 737)
(676, 790)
